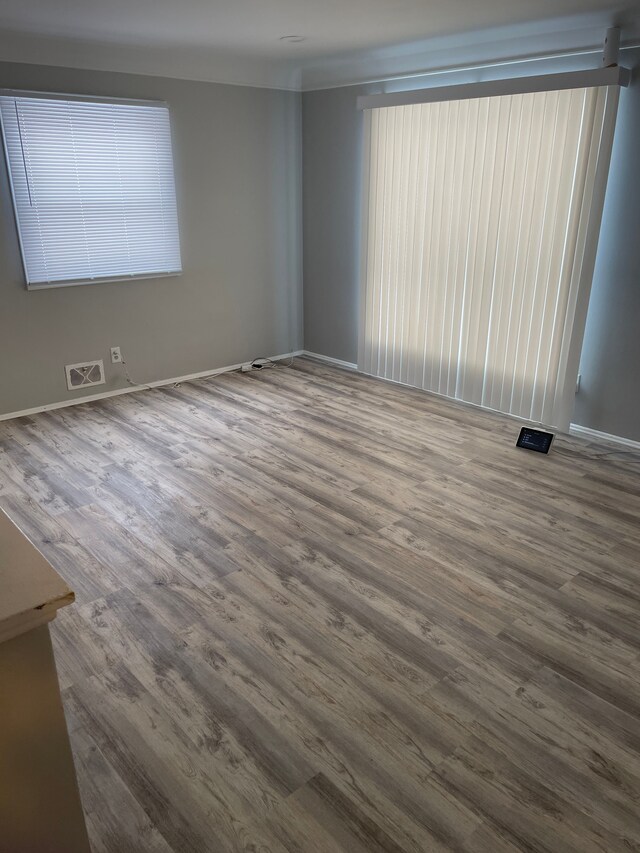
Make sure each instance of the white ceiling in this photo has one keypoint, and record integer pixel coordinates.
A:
(238, 41)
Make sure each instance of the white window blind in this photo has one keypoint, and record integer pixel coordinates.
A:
(93, 188)
(480, 219)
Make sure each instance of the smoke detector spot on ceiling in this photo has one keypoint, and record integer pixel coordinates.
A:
(85, 373)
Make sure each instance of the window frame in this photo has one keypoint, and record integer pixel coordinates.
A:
(104, 99)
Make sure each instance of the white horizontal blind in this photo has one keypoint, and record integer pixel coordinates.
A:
(476, 225)
(93, 188)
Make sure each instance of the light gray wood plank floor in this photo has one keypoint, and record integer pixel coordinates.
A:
(319, 612)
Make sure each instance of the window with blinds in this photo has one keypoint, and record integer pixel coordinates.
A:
(93, 188)
(477, 226)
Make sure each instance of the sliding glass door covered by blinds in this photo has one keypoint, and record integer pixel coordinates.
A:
(93, 187)
(476, 227)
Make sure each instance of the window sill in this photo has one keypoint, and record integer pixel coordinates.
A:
(102, 280)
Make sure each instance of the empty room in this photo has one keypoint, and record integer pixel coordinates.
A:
(319, 426)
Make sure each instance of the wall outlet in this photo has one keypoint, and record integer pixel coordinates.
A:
(116, 355)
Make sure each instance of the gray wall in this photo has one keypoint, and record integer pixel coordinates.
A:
(332, 129)
(238, 178)
(332, 176)
(609, 397)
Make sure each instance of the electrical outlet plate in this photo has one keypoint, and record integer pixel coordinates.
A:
(116, 355)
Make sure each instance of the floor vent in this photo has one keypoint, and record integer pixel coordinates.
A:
(84, 374)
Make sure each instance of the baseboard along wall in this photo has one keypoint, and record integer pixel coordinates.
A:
(90, 398)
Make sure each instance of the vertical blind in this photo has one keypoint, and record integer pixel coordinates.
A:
(93, 188)
(476, 221)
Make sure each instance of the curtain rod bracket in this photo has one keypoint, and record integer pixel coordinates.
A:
(611, 47)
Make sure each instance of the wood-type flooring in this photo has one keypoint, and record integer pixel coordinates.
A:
(319, 612)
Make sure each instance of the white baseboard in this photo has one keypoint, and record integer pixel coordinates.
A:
(586, 432)
(575, 429)
(90, 398)
(348, 365)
